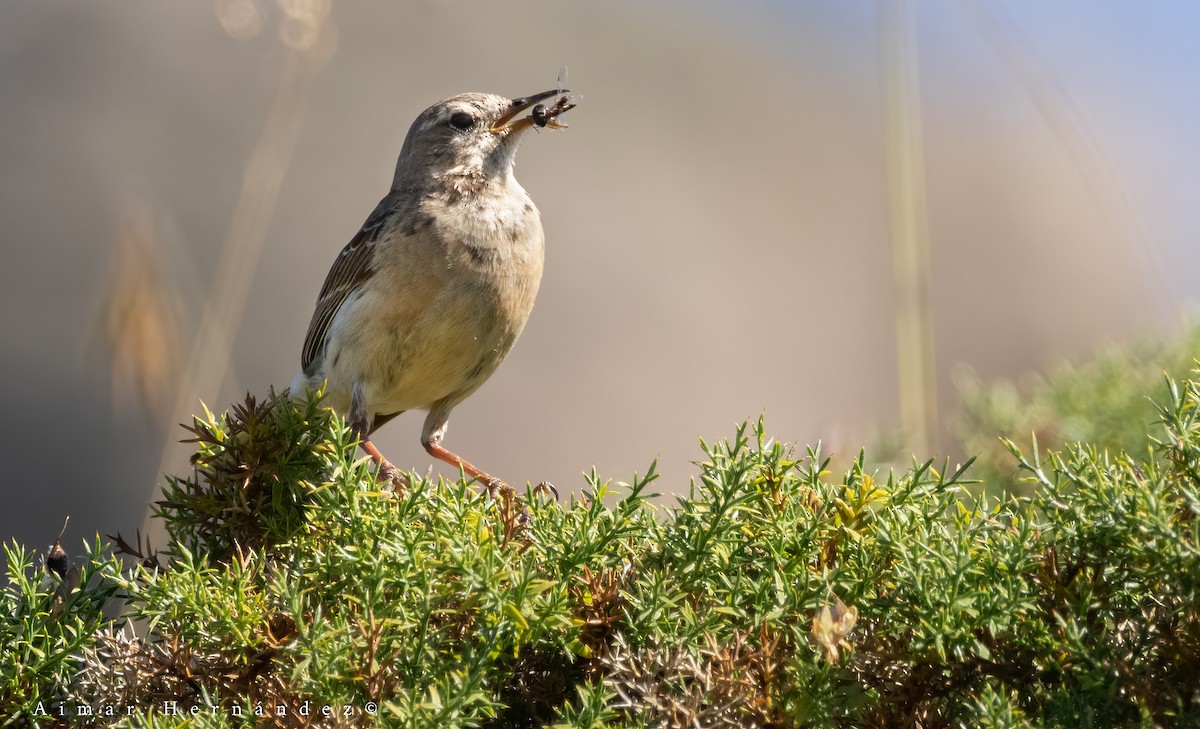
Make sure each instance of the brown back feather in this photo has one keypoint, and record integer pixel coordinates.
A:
(351, 269)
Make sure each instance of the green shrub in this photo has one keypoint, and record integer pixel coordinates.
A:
(44, 623)
(1104, 402)
(771, 595)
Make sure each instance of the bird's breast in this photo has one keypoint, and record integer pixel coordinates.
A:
(442, 331)
(493, 242)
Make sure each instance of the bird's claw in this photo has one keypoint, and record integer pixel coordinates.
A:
(545, 487)
(393, 477)
(496, 487)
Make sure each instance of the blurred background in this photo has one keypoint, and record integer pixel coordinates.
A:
(819, 211)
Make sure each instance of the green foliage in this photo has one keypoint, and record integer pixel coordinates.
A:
(253, 470)
(43, 625)
(1104, 402)
(771, 595)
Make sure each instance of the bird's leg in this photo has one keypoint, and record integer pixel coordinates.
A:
(360, 422)
(431, 438)
(492, 483)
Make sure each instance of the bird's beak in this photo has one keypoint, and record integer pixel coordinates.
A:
(508, 120)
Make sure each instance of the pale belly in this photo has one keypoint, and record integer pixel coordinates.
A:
(437, 350)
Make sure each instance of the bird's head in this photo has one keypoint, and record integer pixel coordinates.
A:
(471, 139)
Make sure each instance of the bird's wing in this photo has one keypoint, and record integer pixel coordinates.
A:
(354, 265)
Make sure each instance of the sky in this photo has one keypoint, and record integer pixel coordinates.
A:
(1126, 70)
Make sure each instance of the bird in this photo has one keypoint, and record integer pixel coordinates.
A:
(425, 301)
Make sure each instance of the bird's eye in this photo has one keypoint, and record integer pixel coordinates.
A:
(462, 120)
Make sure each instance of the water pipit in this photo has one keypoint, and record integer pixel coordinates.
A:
(423, 304)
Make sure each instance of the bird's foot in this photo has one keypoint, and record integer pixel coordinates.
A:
(495, 487)
(388, 474)
(514, 513)
(392, 477)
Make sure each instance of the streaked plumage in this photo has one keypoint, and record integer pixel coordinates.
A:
(424, 302)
